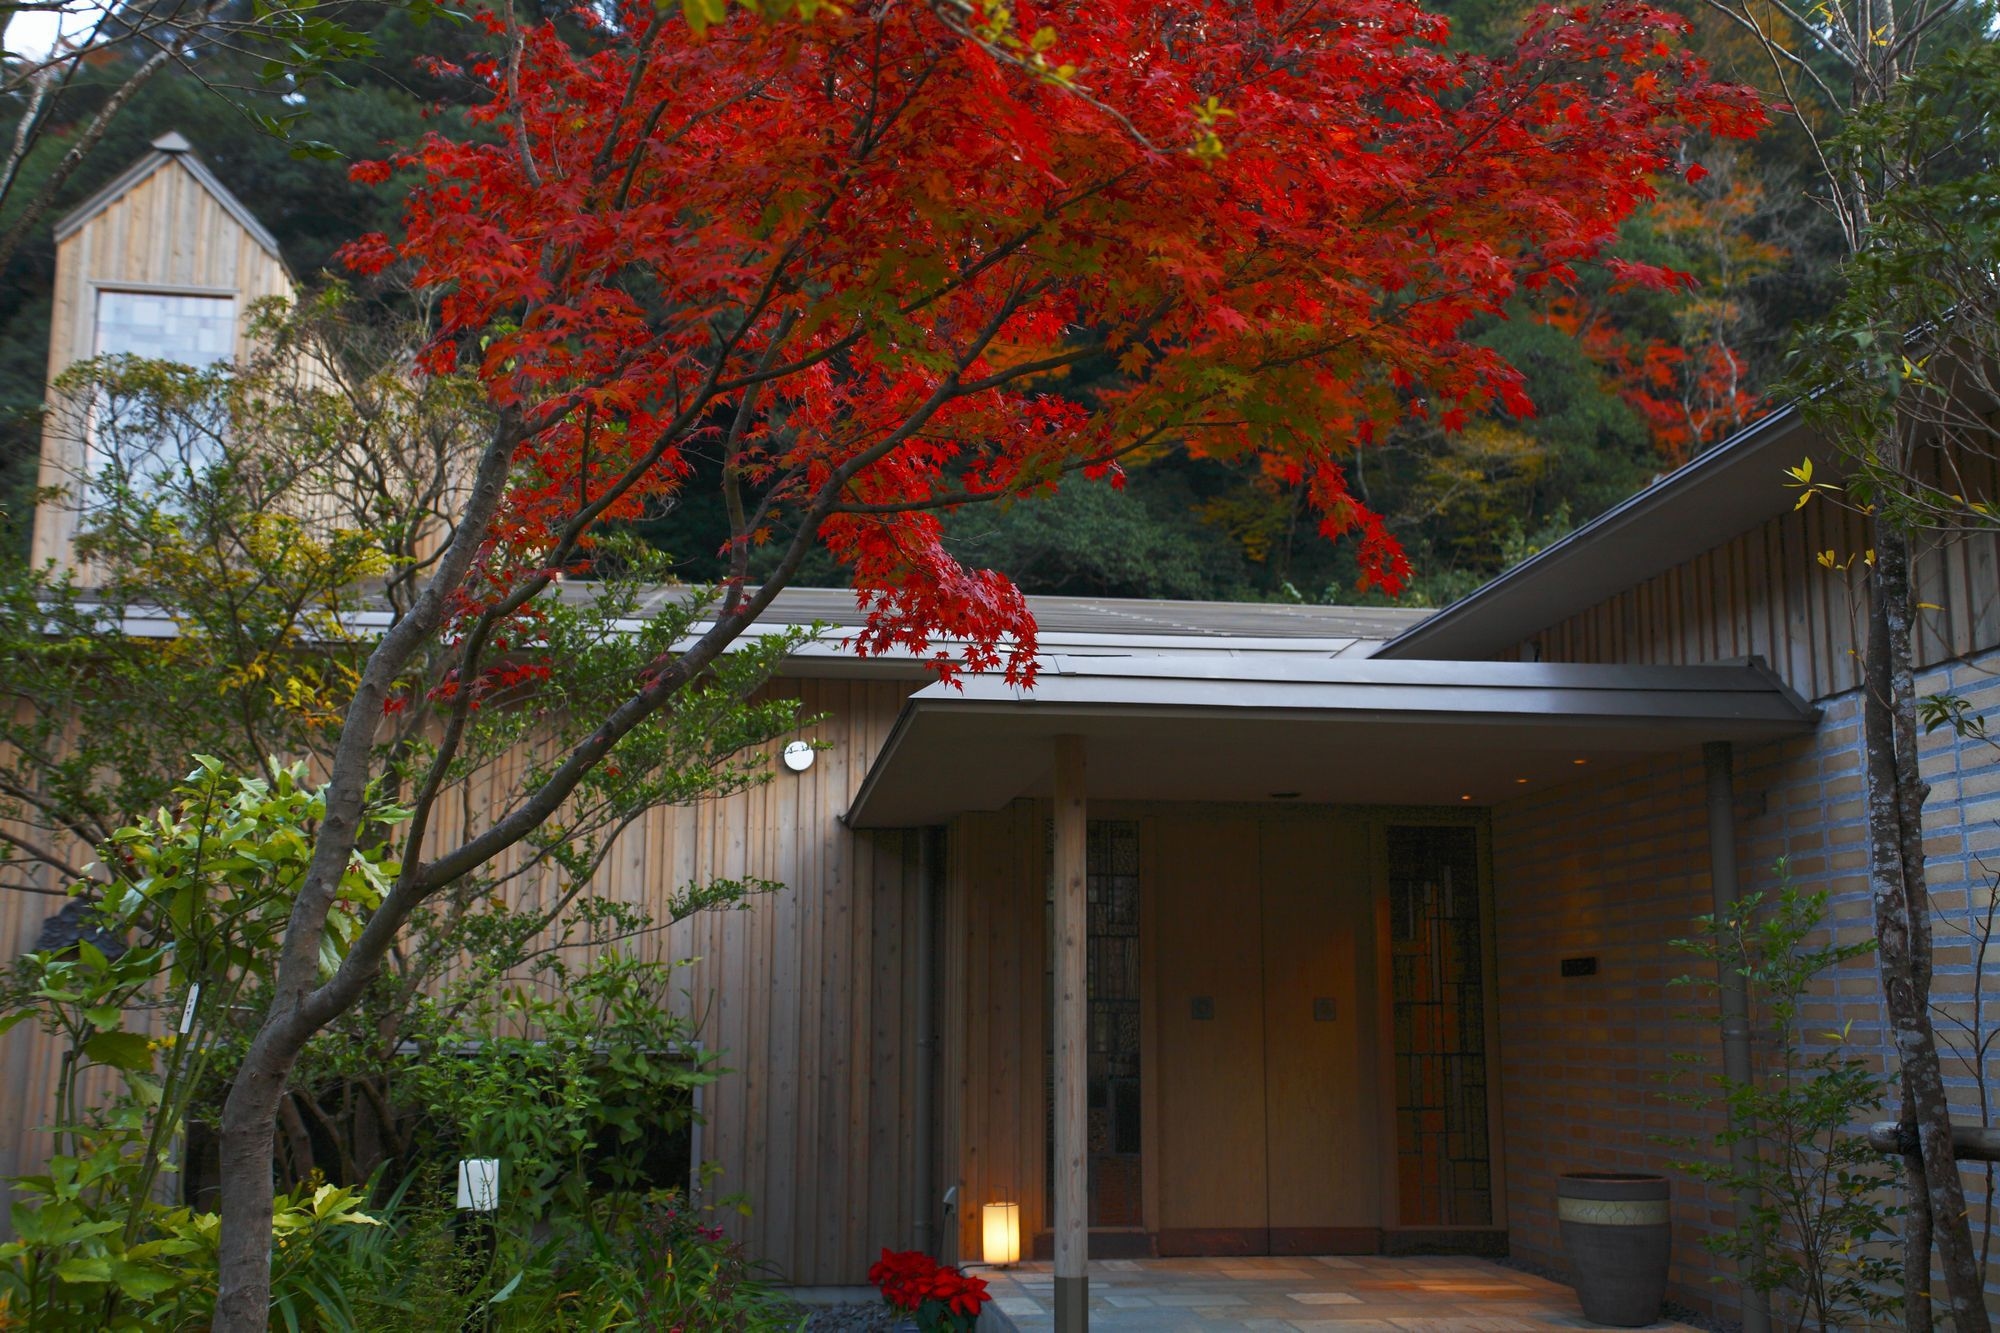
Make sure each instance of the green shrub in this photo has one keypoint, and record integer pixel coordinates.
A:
(1816, 1237)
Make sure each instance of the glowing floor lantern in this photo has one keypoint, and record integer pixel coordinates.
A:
(1002, 1233)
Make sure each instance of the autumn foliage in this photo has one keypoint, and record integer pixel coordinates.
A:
(841, 265)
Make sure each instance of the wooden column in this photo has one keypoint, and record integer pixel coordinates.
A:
(1072, 1183)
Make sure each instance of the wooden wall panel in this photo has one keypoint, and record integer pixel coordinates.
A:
(1261, 911)
(994, 1036)
(808, 996)
(1766, 592)
(1205, 894)
(1319, 1071)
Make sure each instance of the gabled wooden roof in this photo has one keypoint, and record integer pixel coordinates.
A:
(171, 148)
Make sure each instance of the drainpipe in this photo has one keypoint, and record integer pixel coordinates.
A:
(928, 862)
(1718, 761)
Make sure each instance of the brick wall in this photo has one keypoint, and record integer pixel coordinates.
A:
(1616, 866)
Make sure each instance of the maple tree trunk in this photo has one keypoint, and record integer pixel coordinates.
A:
(300, 1006)
(1896, 793)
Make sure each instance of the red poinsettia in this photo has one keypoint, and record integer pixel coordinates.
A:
(938, 1296)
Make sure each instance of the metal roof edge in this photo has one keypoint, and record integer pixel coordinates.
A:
(108, 193)
(1464, 628)
(877, 766)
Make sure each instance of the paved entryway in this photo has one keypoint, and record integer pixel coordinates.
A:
(1434, 1295)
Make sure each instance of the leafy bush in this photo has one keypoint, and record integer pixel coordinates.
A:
(137, 1001)
(569, 1076)
(1814, 1238)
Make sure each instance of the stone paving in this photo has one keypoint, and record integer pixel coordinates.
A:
(1382, 1295)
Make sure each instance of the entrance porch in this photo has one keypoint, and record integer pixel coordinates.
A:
(1215, 947)
(1382, 1294)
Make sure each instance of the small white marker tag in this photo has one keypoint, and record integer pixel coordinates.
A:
(187, 1010)
(479, 1184)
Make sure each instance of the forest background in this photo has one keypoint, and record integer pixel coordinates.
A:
(1627, 382)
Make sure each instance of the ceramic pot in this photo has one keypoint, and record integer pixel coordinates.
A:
(1619, 1239)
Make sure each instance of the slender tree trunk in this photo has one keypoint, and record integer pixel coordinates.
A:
(23, 224)
(1896, 793)
(1916, 1229)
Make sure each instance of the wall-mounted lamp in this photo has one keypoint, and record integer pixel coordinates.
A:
(798, 756)
(1001, 1233)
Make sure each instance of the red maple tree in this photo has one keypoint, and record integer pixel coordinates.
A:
(854, 256)
(845, 259)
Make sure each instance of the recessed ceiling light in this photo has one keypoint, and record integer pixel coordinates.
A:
(1465, 798)
(1520, 780)
(1579, 761)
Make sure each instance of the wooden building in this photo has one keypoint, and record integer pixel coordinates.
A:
(1251, 929)
(162, 262)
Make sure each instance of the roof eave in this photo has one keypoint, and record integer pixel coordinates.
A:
(1628, 543)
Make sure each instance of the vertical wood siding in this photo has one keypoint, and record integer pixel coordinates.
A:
(992, 1113)
(1765, 593)
(809, 996)
(1301, 900)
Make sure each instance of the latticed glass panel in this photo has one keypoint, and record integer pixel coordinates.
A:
(1112, 948)
(1438, 970)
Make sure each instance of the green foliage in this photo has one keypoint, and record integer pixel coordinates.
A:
(1816, 1239)
(563, 1079)
(1909, 351)
(568, 1077)
(256, 526)
(171, 952)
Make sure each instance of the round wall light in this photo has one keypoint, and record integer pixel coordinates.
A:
(798, 756)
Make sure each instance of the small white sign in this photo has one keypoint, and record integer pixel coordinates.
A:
(479, 1184)
(798, 756)
(187, 1010)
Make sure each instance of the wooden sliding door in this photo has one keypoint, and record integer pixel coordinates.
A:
(1319, 1028)
(1263, 974)
(1207, 905)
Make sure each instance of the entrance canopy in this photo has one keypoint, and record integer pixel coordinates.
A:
(1335, 731)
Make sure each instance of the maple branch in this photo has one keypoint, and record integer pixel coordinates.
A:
(523, 141)
(538, 806)
(961, 498)
(48, 856)
(21, 886)
(958, 16)
(656, 24)
(732, 475)
(86, 826)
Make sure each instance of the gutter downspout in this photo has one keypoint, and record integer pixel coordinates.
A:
(1718, 762)
(929, 860)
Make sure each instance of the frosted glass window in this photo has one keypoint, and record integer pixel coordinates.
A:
(193, 330)
(161, 456)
